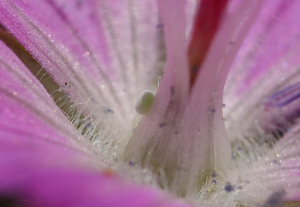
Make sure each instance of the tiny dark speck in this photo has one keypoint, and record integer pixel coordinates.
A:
(108, 110)
(213, 174)
(159, 25)
(212, 110)
(163, 124)
(276, 162)
(66, 83)
(239, 148)
(131, 163)
(172, 90)
(228, 187)
(88, 125)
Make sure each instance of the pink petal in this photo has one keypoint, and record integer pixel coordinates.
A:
(103, 55)
(277, 168)
(43, 186)
(267, 63)
(275, 43)
(24, 101)
(40, 165)
(107, 53)
(261, 100)
(28, 111)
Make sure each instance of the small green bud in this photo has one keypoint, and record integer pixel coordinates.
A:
(145, 102)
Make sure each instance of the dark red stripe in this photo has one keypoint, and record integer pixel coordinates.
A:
(207, 22)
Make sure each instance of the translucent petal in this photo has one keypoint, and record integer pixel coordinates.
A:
(102, 54)
(274, 173)
(267, 63)
(23, 98)
(30, 121)
(262, 105)
(42, 163)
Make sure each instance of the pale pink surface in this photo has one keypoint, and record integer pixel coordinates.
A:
(37, 184)
(24, 102)
(202, 122)
(52, 32)
(267, 62)
(92, 46)
(275, 37)
(268, 58)
(30, 122)
(40, 164)
(191, 121)
(157, 131)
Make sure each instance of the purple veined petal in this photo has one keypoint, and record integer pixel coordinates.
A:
(19, 87)
(28, 112)
(276, 20)
(102, 54)
(72, 50)
(262, 108)
(280, 111)
(266, 64)
(40, 164)
(284, 96)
